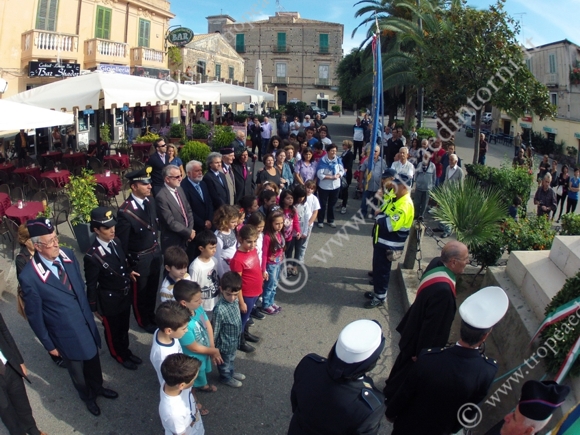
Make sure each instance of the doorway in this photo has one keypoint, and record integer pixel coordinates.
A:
(323, 104)
(282, 98)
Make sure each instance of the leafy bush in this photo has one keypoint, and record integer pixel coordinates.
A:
(569, 334)
(240, 118)
(223, 136)
(81, 192)
(200, 131)
(336, 108)
(105, 133)
(533, 233)
(193, 150)
(147, 138)
(571, 224)
(177, 130)
(425, 133)
(488, 253)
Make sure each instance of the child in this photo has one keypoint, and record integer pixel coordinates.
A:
(514, 208)
(246, 263)
(268, 199)
(198, 340)
(258, 220)
(249, 205)
(272, 257)
(291, 229)
(304, 214)
(273, 145)
(177, 408)
(172, 319)
(203, 270)
(241, 218)
(225, 220)
(175, 260)
(314, 205)
(228, 328)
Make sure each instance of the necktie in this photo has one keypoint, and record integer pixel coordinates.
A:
(245, 171)
(198, 189)
(111, 247)
(181, 207)
(146, 205)
(62, 275)
(220, 178)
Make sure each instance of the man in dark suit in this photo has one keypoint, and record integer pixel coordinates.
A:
(443, 380)
(138, 231)
(157, 161)
(239, 143)
(59, 313)
(216, 182)
(174, 211)
(197, 195)
(109, 286)
(243, 176)
(21, 144)
(15, 410)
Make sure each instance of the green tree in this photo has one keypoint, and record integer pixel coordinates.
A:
(349, 70)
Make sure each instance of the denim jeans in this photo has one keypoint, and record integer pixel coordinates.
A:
(302, 250)
(264, 146)
(270, 286)
(367, 195)
(481, 160)
(130, 135)
(226, 370)
(420, 201)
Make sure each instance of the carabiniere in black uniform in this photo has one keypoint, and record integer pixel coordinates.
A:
(109, 291)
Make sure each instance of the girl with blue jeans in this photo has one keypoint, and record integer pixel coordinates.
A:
(272, 258)
(573, 189)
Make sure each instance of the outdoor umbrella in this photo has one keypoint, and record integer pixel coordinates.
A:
(15, 116)
(258, 82)
(235, 94)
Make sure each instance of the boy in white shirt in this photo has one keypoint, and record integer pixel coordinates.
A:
(313, 206)
(177, 407)
(175, 260)
(172, 319)
(203, 270)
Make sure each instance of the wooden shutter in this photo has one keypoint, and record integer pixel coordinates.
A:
(231, 73)
(240, 43)
(103, 23)
(218, 71)
(282, 41)
(144, 32)
(323, 42)
(46, 15)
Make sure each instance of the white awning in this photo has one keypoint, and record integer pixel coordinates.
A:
(15, 116)
(235, 94)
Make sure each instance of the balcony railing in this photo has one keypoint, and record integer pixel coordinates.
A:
(104, 51)
(323, 50)
(42, 44)
(322, 82)
(280, 80)
(143, 56)
(551, 79)
(280, 49)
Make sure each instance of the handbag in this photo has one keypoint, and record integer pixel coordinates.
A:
(343, 182)
(559, 190)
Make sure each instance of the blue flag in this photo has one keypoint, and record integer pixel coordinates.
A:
(377, 97)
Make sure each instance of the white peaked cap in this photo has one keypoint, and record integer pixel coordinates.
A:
(358, 341)
(484, 308)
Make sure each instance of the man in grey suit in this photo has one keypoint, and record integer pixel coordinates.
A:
(227, 160)
(174, 212)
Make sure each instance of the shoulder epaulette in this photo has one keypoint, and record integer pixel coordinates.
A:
(432, 351)
(489, 360)
(369, 397)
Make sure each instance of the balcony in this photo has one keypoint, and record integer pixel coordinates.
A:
(103, 51)
(279, 80)
(42, 44)
(322, 82)
(280, 49)
(551, 80)
(148, 57)
(323, 50)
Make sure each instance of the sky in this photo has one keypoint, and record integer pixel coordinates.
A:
(541, 23)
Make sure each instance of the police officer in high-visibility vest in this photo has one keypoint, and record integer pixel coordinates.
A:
(392, 225)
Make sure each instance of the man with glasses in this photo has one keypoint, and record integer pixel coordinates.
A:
(158, 160)
(174, 212)
(59, 313)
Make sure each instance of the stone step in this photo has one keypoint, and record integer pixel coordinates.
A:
(537, 277)
(565, 254)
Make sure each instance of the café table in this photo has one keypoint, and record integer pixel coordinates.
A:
(7, 167)
(4, 203)
(123, 160)
(112, 183)
(28, 170)
(60, 178)
(75, 159)
(29, 211)
(143, 148)
(55, 156)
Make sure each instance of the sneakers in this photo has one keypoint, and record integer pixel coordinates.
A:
(370, 216)
(250, 321)
(331, 224)
(369, 295)
(445, 235)
(270, 311)
(320, 225)
(256, 314)
(374, 303)
(343, 210)
(277, 307)
(239, 376)
(232, 382)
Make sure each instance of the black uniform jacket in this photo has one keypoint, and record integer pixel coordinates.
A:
(137, 236)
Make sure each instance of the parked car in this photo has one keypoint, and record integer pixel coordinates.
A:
(486, 118)
(314, 110)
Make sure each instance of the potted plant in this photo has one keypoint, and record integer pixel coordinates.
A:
(176, 133)
(194, 150)
(336, 109)
(81, 192)
(223, 136)
(200, 132)
(105, 133)
(240, 118)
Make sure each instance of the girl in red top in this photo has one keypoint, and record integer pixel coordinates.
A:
(272, 258)
(291, 226)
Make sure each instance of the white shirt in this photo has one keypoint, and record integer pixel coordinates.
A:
(160, 351)
(139, 201)
(176, 414)
(407, 168)
(451, 171)
(105, 245)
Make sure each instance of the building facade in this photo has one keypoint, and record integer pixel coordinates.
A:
(299, 56)
(45, 40)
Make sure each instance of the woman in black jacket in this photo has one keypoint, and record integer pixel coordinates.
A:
(347, 158)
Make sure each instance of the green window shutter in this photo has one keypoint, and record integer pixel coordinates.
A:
(218, 71)
(552, 60)
(231, 73)
(144, 32)
(240, 43)
(282, 41)
(103, 24)
(323, 42)
(46, 15)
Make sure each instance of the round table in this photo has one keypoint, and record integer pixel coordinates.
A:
(29, 211)
(112, 183)
(75, 159)
(7, 167)
(4, 203)
(60, 178)
(123, 160)
(143, 148)
(55, 156)
(23, 172)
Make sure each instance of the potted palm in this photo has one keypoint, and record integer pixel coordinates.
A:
(81, 192)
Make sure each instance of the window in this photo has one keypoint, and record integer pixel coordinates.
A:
(554, 98)
(529, 64)
(240, 43)
(323, 43)
(281, 70)
(200, 67)
(218, 71)
(552, 61)
(103, 25)
(46, 15)
(144, 32)
(231, 72)
(323, 71)
(281, 42)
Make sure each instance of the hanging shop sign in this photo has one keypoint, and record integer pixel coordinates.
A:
(53, 69)
(180, 36)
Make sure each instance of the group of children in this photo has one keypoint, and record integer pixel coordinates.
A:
(207, 306)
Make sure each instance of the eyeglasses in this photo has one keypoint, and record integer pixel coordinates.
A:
(174, 177)
(161, 145)
(51, 242)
